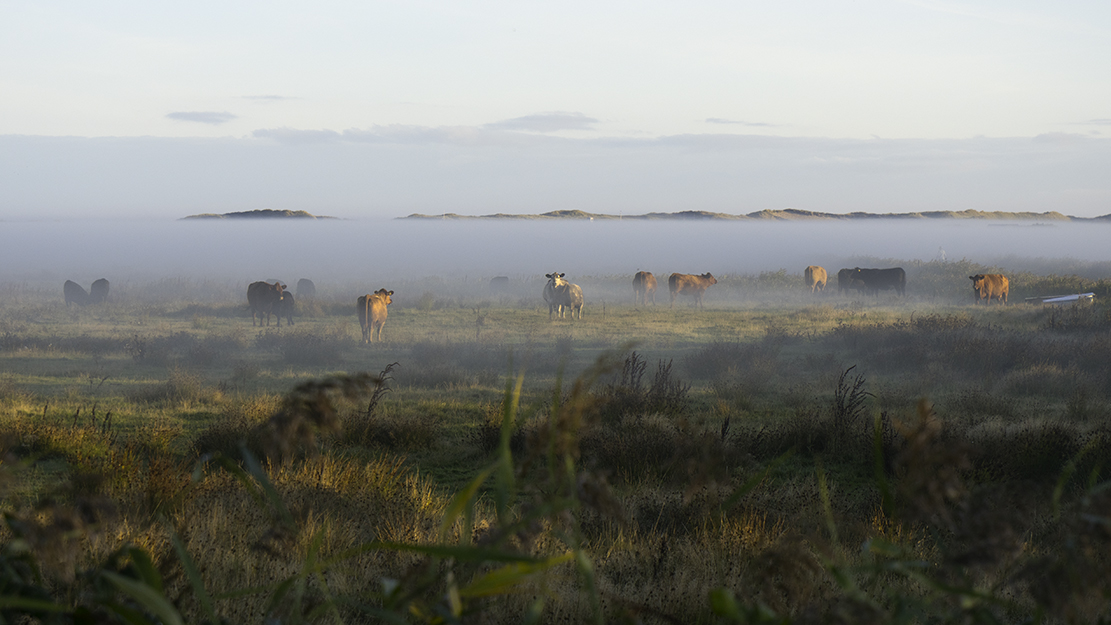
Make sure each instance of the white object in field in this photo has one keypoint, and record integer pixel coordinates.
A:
(1069, 299)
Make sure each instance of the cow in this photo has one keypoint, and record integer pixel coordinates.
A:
(844, 277)
(285, 307)
(74, 294)
(687, 284)
(876, 280)
(990, 285)
(262, 298)
(499, 284)
(562, 296)
(305, 288)
(644, 287)
(816, 278)
(372, 313)
(98, 292)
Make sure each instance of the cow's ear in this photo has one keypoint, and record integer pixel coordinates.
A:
(562, 274)
(390, 293)
(548, 275)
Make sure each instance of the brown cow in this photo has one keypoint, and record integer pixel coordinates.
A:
(644, 287)
(687, 284)
(372, 313)
(262, 297)
(991, 285)
(816, 278)
(74, 293)
(562, 296)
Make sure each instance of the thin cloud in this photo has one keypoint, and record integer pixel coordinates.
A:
(718, 120)
(203, 117)
(1097, 122)
(268, 98)
(546, 122)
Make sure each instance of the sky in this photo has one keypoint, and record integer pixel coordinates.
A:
(376, 109)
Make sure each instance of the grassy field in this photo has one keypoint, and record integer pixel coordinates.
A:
(777, 457)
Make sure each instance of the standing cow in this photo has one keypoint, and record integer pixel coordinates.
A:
(816, 278)
(644, 287)
(989, 286)
(285, 307)
(74, 293)
(844, 278)
(372, 313)
(263, 297)
(687, 284)
(876, 280)
(562, 295)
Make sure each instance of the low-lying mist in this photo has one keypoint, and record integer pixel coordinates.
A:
(378, 253)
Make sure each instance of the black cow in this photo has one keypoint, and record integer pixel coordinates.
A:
(844, 277)
(305, 288)
(285, 307)
(74, 293)
(98, 292)
(876, 280)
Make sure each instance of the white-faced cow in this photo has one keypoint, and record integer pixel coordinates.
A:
(372, 313)
(263, 297)
(816, 278)
(990, 286)
(644, 287)
(562, 296)
(688, 284)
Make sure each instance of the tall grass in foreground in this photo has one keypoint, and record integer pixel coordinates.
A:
(271, 530)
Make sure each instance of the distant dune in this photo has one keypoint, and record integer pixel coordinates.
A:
(264, 213)
(786, 214)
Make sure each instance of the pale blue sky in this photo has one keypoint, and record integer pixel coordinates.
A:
(490, 80)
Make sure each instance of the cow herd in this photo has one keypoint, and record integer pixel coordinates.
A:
(265, 299)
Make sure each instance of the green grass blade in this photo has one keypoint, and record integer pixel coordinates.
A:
(463, 499)
(502, 580)
(194, 577)
(154, 601)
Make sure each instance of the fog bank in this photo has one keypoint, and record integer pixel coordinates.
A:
(376, 252)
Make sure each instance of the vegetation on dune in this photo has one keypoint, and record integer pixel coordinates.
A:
(778, 457)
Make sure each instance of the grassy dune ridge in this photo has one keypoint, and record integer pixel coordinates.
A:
(777, 456)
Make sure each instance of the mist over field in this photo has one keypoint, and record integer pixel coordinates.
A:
(377, 252)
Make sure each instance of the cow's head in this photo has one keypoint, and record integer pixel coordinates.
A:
(710, 278)
(977, 281)
(384, 295)
(555, 278)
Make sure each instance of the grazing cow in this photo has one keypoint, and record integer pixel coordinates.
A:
(844, 277)
(876, 280)
(562, 295)
(644, 287)
(991, 285)
(372, 313)
(285, 307)
(74, 293)
(816, 278)
(499, 284)
(687, 284)
(98, 292)
(305, 288)
(262, 298)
